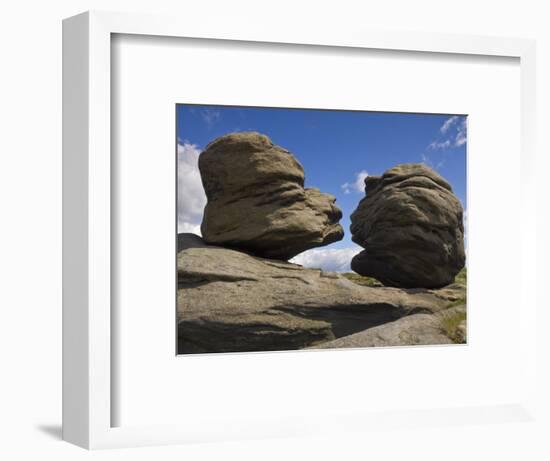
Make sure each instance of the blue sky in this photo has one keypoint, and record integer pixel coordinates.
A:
(336, 148)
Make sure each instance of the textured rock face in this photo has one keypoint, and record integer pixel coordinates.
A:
(257, 202)
(410, 224)
(229, 301)
(418, 329)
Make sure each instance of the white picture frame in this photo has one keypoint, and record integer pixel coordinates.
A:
(88, 364)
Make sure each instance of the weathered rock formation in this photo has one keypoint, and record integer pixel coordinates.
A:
(257, 202)
(412, 330)
(410, 224)
(229, 301)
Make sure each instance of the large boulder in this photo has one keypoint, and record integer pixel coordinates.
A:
(410, 224)
(257, 201)
(229, 301)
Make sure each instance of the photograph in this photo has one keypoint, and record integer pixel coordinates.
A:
(305, 228)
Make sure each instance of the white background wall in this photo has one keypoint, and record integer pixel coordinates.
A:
(30, 235)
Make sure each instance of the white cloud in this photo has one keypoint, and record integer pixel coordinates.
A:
(185, 227)
(460, 139)
(454, 137)
(210, 116)
(461, 135)
(435, 145)
(452, 134)
(448, 123)
(358, 185)
(328, 259)
(191, 196)
(360, 181)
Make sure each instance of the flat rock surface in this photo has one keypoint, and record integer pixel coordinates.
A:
(229, 301)
(410, 224)
(257, 201)
(416, 329)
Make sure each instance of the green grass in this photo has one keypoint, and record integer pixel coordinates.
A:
(461, 277)
(449, 324)
(451, 320)
(362, 280)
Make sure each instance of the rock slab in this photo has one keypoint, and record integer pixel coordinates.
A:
(229, 301)
(257, 202)
(411, 226)
(412, 330)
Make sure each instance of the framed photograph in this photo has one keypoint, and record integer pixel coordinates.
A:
(272, 233)
(263, 260)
